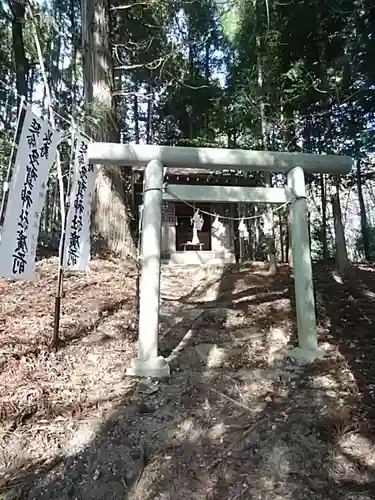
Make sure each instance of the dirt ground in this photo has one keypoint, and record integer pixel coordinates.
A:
(236, 420)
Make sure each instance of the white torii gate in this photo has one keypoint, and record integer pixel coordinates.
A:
(148, 363)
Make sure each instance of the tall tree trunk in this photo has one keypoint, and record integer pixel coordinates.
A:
(31, 84)
(150, 106)
(47, 209)
(73, 64)
(362, 207)
(263, 130)
(323, 234)
(250, 246)
(112, 201)
(21, 63)
(207, 78)
(137, 137)
(191, 59)
(288, 251)
(281, 236)
(54, 218)
(342, 260)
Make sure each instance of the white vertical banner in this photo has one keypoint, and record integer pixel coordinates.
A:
(78, 223)
(35, 156)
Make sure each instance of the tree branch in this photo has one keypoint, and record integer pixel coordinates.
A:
(151, 65)
(128, 6)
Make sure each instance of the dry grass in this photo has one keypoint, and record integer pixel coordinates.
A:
(43, 394)
(237, 420)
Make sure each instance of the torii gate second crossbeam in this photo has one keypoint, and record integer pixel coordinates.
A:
(148, 362)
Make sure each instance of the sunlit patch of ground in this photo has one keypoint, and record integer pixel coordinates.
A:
(237, 419)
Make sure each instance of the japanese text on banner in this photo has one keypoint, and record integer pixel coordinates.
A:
(77, 239)
(35, 156)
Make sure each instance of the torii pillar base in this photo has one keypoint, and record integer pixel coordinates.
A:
(152, 367)
(303, 356)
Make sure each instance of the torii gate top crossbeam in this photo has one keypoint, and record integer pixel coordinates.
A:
(215, 159)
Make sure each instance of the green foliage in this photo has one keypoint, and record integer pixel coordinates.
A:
(230, 22)
(242, 73)
(360, 247)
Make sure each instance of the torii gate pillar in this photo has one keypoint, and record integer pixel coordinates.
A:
(148, 363)
(307, 349)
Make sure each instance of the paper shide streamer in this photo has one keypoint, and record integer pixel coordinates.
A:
(197, 222)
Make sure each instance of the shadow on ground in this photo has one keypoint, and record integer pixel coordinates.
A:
(237, 419)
